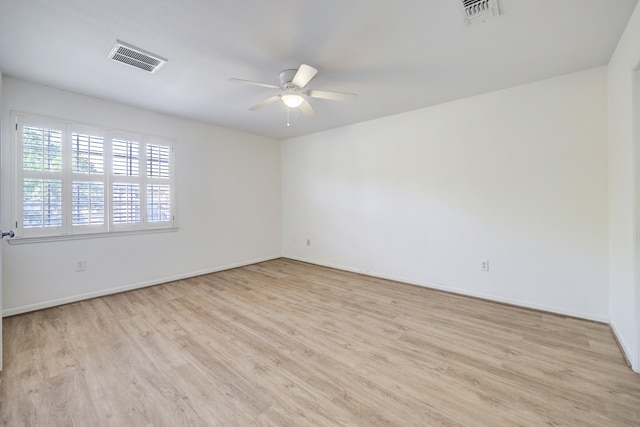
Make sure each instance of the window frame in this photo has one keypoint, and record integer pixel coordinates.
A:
(107, 179)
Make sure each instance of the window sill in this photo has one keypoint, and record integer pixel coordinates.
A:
(46, 239)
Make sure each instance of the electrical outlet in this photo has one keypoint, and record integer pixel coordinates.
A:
(81, 265)
(484, 266)
(308, 242)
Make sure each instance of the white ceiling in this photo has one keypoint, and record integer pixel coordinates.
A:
(397, 56)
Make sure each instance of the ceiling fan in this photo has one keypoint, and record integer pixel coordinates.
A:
(292, 93)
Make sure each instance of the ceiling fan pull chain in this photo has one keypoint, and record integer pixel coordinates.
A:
(288, 124)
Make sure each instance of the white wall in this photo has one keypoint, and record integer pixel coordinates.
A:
(517, 177)
(228, 203)
(621, 190)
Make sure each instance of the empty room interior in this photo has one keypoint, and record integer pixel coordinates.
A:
(309, 213)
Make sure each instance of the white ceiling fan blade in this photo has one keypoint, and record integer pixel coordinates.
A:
(334, 96)
(304, 75)
(270, 86)
(265, 102)
(306, 109)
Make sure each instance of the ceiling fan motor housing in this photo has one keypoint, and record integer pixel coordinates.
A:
(286, 77)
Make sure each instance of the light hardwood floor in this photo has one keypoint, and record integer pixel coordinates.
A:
(283, 343)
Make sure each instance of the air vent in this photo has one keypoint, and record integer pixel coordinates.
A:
(476, 11)
(136, 57)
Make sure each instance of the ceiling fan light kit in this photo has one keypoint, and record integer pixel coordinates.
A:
(292, 99)
(291, 94)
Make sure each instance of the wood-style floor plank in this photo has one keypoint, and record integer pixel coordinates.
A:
(284, 343)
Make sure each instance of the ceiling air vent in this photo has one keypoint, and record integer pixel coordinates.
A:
(136, 57)
(476, 11)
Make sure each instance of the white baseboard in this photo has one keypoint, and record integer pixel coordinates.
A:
(519, 303)
(626, 351)
(110, 291)
(624, 348)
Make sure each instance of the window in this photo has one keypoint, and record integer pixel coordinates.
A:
(126, 182)
(76, 179)
(42, 177)
(158, 183)
(87, 179)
